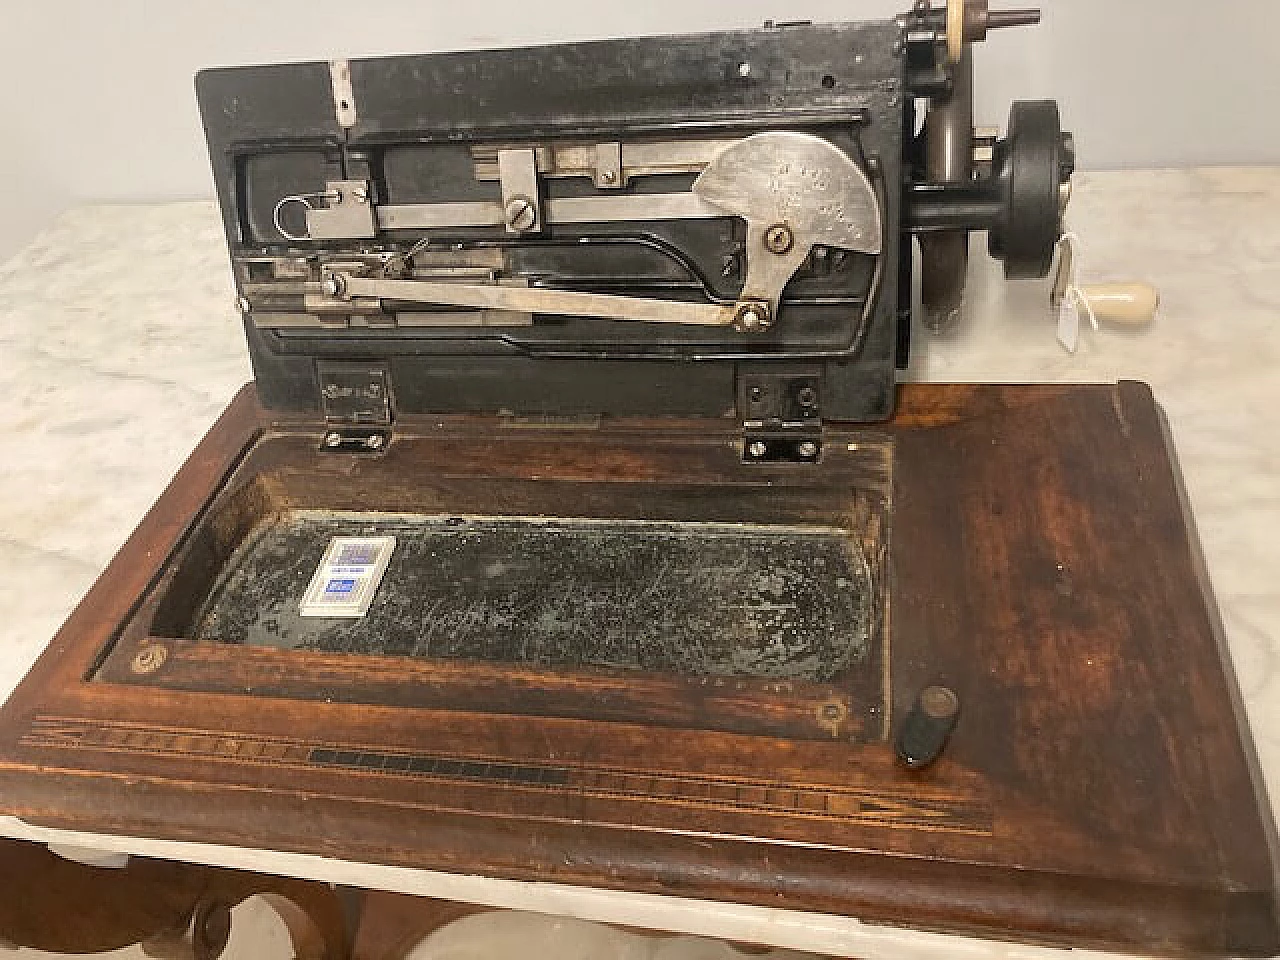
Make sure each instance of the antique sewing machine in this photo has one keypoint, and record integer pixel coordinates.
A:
(575, 526)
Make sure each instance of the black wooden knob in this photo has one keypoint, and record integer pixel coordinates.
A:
(923, 734)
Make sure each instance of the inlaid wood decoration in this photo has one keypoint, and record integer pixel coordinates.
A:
(616, 653)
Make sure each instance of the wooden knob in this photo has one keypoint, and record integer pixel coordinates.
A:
(1127, 303)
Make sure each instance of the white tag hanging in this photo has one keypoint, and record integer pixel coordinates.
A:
(1069, 324)
(1067, 297)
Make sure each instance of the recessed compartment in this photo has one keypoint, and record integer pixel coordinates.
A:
(724, 596)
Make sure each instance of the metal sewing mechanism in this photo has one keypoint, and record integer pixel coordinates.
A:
(757, 207)
(793, 190)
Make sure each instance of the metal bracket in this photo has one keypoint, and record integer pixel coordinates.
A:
(608, 169)
(521, 204)
(356, 398)
(782, 447)
(781, 416)
(344, 99)
(354, 393)
(358, 440)
(349, 214)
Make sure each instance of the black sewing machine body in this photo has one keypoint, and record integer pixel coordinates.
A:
(586, 168)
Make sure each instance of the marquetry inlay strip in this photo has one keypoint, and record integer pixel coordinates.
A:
(919, 811)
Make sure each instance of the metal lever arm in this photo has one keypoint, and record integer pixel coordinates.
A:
(344, 287)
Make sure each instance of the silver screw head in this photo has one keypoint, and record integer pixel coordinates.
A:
(244, 306)
(373, 441)
(779, 238)
(520, 213)
(332, 439)
(609, 177)
(332, 285)
(808, 449)
(744, 69)
(758, 449)
(752, 318)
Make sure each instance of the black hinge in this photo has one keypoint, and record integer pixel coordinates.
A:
(781, 416)
(356, 399)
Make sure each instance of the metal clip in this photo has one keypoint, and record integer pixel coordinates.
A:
(608, 173)
(349, 214)
(521, 205)
(344, 98)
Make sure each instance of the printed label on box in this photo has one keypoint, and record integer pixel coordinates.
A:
(347, 578)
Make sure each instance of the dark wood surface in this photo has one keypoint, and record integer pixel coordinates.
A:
(1099, 790)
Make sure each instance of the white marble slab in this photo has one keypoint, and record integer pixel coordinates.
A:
(119, 345)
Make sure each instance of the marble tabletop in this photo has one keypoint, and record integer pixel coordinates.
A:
(120, 345)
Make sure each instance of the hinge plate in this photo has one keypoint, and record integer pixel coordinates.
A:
(781, 416)
(354, 394)
(782, 447)
(359, 440)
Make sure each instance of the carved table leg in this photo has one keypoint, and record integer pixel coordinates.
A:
(313, 913)
(203, 937)
(176, 911)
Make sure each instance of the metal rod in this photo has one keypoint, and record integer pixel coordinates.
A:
(944, 254)
(1012, 18)
(992, 20)
(529, 300)
(935, 207)
(607, 209)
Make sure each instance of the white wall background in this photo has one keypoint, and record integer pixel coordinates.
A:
(97, 103)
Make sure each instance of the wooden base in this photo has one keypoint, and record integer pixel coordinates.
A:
(174, 911)
(177, 911)
(1028, 549)
(391, 925)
